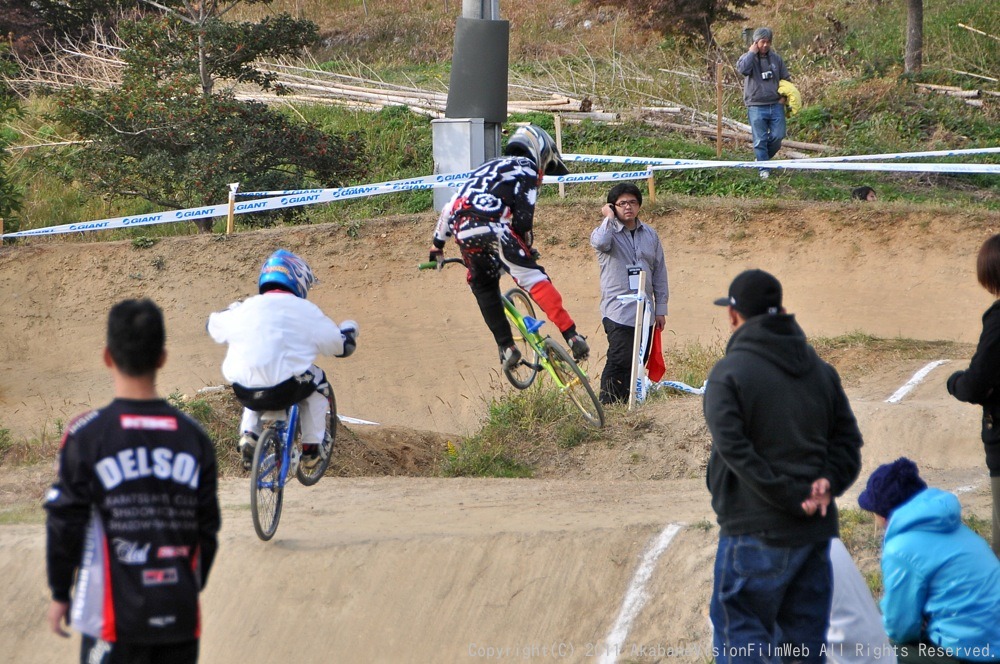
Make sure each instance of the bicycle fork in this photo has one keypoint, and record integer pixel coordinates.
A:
(284, 424)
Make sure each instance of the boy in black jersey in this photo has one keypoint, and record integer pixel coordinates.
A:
(134, 513)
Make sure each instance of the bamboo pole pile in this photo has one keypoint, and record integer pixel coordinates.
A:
(367, 94)
(970, 97)
(101, 67)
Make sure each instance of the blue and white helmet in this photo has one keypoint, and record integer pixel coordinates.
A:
(283, 269)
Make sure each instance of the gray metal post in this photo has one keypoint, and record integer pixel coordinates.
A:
(487, 10)
(469, 134)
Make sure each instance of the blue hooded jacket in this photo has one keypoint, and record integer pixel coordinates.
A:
(935, 568)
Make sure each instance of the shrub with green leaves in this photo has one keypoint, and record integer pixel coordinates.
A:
(11, 196)
(164, 134)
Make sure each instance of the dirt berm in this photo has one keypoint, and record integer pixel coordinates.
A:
(575, 564)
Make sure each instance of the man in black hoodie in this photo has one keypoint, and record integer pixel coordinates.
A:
(785, 443)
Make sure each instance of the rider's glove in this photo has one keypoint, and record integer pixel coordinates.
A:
(436, 255)
(349, 329)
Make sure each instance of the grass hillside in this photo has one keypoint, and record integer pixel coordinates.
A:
(846, 57)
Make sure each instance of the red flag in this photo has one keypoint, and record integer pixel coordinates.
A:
(655, 367)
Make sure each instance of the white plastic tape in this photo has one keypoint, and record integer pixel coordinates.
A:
(276, 200)
(616, 159)
(679, 386)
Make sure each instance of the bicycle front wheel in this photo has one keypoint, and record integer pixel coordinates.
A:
(574, 382)
(523, 375)
(310, 471)
(265, 485)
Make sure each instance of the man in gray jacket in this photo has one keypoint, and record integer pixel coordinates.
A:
(762, 70)
(785, 443)
(625, 245)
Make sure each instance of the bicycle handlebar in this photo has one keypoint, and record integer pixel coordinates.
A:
(437, 265)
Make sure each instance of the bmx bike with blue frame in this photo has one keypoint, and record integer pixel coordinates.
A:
(277, 457)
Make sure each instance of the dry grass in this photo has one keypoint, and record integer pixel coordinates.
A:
(29, 451)
(22, 490)
(858, 354)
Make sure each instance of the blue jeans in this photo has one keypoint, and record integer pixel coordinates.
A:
(767, 123)
(770, 603)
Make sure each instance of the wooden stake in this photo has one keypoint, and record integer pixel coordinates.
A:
(558, 119)
(231, 219)
(651, 184)
(718, 112)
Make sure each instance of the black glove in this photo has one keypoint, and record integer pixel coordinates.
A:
(436, 255)
(952, 380)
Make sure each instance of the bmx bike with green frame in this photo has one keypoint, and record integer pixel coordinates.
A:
(540, 352)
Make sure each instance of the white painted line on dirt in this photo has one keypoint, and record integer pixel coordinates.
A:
(968, 488)
(913, 382)
(636, 595)
(354, 420)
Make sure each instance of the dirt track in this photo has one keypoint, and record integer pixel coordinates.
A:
(407, 569)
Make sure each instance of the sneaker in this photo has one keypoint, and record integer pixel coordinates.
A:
(510, 357)
(246, 447)
(310, 453)
(764, 174)
(578, 344)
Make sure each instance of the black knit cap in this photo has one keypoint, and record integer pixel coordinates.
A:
(753, 293)
(891, 485)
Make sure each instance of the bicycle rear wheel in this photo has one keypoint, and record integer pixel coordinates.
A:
(523, 375)
(309, 472)
(575, 384)
(266, 490)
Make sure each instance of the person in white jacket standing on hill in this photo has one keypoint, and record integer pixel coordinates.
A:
(274, 339)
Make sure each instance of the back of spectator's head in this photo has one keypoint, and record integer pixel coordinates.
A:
(988, 265)
(891, 485)
(863, 193)
(753, 293)
(621, 189)
(136, 336)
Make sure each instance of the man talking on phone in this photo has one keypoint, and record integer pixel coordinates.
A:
(625, 246)
(762, 70)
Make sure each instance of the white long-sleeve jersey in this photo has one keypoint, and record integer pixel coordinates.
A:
(273, 337)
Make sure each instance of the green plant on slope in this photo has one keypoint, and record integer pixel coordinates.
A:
(165, 134)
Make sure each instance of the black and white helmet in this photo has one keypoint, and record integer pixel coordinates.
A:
(535, 143)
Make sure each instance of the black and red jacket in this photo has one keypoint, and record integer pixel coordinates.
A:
(133, 517)
(503, 190)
